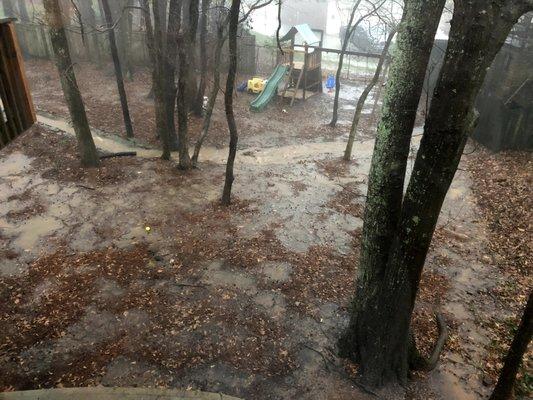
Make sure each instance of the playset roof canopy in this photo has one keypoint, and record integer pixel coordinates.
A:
(305, 32)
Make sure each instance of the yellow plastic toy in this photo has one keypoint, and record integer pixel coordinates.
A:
(256, 85)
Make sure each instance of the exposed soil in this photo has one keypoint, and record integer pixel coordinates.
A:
(133, 275)
(99, 92)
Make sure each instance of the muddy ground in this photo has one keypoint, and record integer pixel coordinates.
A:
(133, 275)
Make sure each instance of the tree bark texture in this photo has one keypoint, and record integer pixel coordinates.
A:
(58, 38)
(390, 272)
(364, 95)
(228, 100)
(385, 189)
(118, 70)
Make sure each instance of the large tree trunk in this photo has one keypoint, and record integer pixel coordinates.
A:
(364, 95)
(345, 43)
(228, 100)
(199, 100)
(213, 95)
(386, 179)
(118, 70)
(505, 387)
(86, 147)
(388, 279)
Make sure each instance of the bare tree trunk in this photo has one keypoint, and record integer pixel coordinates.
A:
(23, 11)
(191, 17)
(118, 70)
(387, 173)
(159, 83)
(345, 43)
(186, 79)
(183, 108)
(86, 147)
(505, 387)
(173, 27)
(199, 100)
(213, 95)
(150, 44)
(65, 6)
(89, 19)
(228, 100)
(9, 11)
(389, 274)
(364, 95)
(128, 29)
(377, 96)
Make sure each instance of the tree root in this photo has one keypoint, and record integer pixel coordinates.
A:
(417, 362)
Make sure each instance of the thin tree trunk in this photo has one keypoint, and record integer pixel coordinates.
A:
(121, 18)
(199, 100)
(349, 31)
(86, 147)
(213, 95)
(377, 96)
(183, 108)
(89, 18)
(364, 95)
(7, 5)
(380, 320)
(228, 100)
(345, 43)
(173, 27)
(160, 90)
(23, 11)
(118, 70)
(147, 21)
(505, 387)
(386, 179)
(192, 16)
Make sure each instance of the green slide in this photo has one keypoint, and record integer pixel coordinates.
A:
(261, 101)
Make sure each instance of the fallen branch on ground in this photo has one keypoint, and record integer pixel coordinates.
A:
(119, 154)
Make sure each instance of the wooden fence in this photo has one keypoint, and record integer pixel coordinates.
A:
(16, 108)
(35, 42)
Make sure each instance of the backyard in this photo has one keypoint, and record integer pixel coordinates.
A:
(133, 274)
